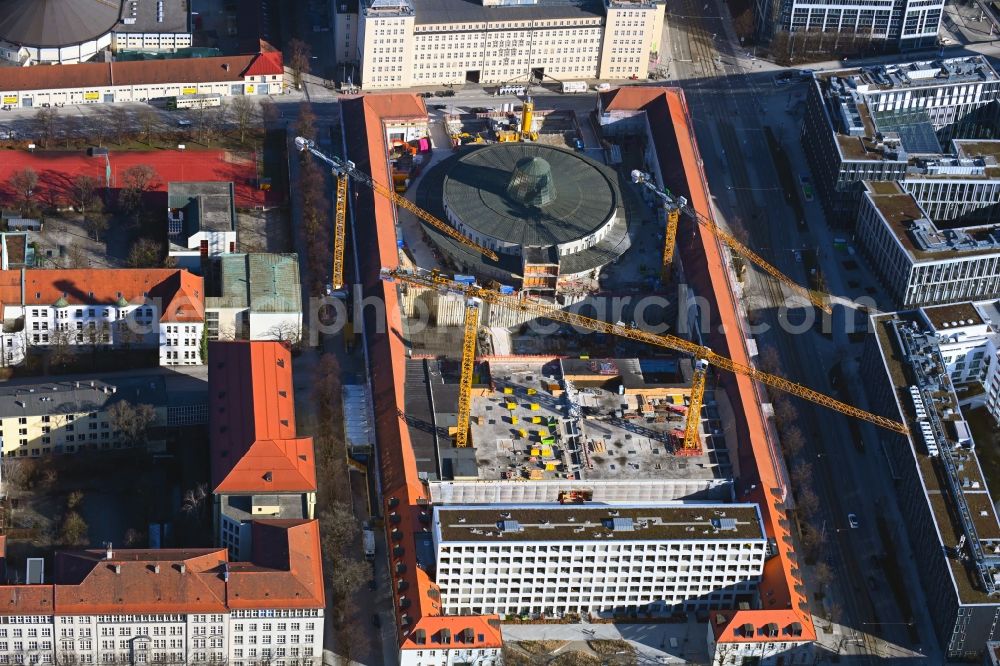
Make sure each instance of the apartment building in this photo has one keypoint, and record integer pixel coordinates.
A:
(871, 123)
(256, 296)
(403, 43)
(163, 27)
(260, 467)
(908, 24)
(141, 80)
(201, 222)
(38, 419)
(920, 263)
(174, 606)
(88, 309)
(553, 559)
(948, 512)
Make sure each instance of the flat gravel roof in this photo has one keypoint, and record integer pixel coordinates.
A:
(475, 190)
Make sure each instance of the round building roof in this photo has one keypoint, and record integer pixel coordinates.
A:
(56, 22)
(530, 194)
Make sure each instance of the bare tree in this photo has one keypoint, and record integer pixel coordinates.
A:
(73, 531)
(135, 182)
(83, 193)
(145, 253)
(24, 182)
(70, 129)
(45, 121)
(792, 440)
(59, 351)
(147, 121)
(17, 473)
(306, 125)
(823, 573)
(131, 421)
(802, 474)
(96, 129)
(284, 332)
(298, 60)
(246, 114)
(76, 257)
(808, 503)
(121, 122)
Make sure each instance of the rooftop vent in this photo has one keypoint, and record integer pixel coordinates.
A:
(531, 183)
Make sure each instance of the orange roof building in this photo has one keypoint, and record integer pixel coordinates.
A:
(188, 594)
(141, 80)
(260, 467)
(160, 308)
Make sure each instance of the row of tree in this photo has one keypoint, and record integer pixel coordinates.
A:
(314, 203)
(120, 125)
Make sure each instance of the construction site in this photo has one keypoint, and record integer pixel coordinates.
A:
(675, 416)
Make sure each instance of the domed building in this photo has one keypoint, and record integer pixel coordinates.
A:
(56, 31)
(554, 217)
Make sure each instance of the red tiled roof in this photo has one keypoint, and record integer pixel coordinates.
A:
(266, 63)
(139, 72)
(252, 421)
(287, 563)
(285, 572)
(416, 597)
(181, 293)
(141, 581)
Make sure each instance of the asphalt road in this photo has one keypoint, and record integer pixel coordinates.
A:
(731, 97)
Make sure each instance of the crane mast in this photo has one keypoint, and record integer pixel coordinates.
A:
(675, 205)
(434, 280)
(347, 168)
(465, 380)
(339, 231)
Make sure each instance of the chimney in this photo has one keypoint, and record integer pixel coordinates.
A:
(109, 551)
(156, 568)
(183, 568)
(76, 384)
(225, 66)
(114, 389)
(118, 569)
(225, 572)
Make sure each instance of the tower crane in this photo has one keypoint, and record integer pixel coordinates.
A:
(465, 380)
(676, 205)
(347, 169)
(435, 281)
(339, 232)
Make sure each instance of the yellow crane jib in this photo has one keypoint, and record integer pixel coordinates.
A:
(437, 281)
(677, 203)
(692, 437)
(348, 168)
(339, 232)
(462, 438)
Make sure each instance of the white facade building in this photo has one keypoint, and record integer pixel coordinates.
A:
(86, 309)
(201, 222)
(919, 263)
(908, 23)
(561, 558)
(260, 298)
(404, 43)
(141, 80)
(173, 606)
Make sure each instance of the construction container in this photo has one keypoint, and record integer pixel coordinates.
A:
(536, 419)
(507, 390)
(535, 452)
(532, 391)
(523, 433)
(511, 406)
(513, 420)
(534, 407)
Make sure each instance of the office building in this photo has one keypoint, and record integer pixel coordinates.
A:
(551, 560)
(870, 123)
(903, 24)
(174, 606)
(260, 467)
(404, 43)
(948, 512)
(918, 262)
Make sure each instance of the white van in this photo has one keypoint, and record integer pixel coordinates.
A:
(602, 87)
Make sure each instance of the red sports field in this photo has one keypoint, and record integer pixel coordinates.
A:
(56, 171)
